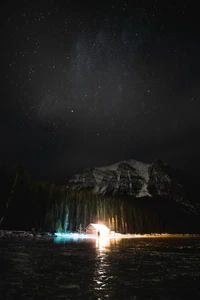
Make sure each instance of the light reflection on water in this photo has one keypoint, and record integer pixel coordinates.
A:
(100, 268)
(102, 265)
(103, 243)
(106, 243)
(100, 281)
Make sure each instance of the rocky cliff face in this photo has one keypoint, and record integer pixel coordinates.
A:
(137, 179)
(125, 178)
(172, 184)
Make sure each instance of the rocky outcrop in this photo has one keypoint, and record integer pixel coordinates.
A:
(125, 178)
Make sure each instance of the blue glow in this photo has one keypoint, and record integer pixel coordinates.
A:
(67, 237)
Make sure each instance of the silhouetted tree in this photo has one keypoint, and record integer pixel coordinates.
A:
(20, 170)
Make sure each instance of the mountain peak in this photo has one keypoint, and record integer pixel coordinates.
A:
(136, 179)
(128, 177)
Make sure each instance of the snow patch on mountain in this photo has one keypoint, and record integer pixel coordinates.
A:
(142, 170)
(126, 177)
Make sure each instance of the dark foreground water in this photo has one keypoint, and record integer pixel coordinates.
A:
(148, 268)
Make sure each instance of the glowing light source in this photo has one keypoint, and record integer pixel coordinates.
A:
(100, 229)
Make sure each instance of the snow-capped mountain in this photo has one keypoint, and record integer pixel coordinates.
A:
(125, 178)
(156, 193)
(137, 179)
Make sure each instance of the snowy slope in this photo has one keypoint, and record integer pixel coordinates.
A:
(127, 177)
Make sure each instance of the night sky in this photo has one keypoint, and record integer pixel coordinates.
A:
(95, 83)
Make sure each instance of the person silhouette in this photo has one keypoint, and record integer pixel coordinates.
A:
(98, 233)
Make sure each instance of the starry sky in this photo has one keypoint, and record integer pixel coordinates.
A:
(93, 83)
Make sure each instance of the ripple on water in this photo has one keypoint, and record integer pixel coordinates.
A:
(132, 269)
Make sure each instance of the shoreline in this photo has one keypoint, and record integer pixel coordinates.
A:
(6, 234)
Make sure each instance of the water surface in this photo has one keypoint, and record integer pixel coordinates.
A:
(143, 268)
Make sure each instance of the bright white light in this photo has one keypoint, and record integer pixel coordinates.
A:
(105, 236)
(105, 242)
(101, 228)
(102, 243)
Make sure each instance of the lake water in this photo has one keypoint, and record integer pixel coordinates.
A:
(142, 268)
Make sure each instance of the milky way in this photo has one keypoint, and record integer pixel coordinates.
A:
(99, 78)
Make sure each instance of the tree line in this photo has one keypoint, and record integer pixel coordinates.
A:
(26, 204)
